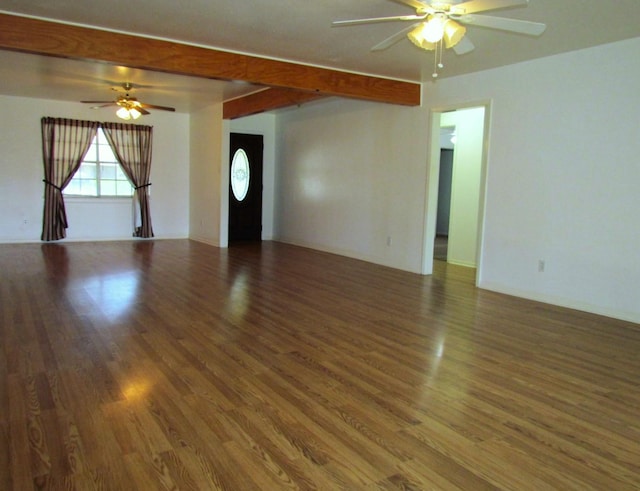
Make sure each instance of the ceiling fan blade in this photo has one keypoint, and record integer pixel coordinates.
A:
(504, 24)
(354, 22)
(161, 108)
(473, 6)
(100, 105)
(464, 46)
(143, 111)
(393, 39)
(97, 102)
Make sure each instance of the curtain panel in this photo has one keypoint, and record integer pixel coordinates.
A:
(65, 143)
(131, 144)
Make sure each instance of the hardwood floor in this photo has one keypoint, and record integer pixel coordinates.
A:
(176, 365)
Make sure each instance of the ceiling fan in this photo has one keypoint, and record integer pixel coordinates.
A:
(130, 107)
(437, 23)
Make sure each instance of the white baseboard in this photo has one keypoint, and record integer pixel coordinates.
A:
(89, 239)
(563, 302)
(342, 252)
(466, 264)
(204, 240)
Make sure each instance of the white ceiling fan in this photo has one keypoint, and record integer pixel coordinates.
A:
(438, 23)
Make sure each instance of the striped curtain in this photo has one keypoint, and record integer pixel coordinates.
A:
(65, 143)
(131, 144)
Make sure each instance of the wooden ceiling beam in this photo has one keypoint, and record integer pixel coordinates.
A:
(266, 100)
(44, 37)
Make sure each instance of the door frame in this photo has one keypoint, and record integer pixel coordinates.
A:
(251, 135)
(433, 174)
(259, 124)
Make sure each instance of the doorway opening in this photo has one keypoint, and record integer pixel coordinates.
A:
(445, 180)
(456, 221)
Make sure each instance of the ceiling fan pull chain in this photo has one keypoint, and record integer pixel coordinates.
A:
(435, 63)
(437, 53)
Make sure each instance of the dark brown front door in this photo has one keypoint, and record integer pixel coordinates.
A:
(245, 187)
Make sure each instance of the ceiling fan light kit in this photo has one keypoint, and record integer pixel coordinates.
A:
(129, 109)
(439, 25)
(416, 36)
(127, 114)
(453, 33)
(430, 36)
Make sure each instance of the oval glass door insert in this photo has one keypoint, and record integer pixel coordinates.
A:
(240, 174)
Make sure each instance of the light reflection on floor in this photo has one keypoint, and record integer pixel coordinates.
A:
(239, 296)
(113, 294)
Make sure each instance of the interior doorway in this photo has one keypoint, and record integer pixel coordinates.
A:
(445, 180)
(468, 172)
(245, 187)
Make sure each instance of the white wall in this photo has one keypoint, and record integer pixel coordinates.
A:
(207, 193)
(465, 184)
(21, 173)
(351, 180)
(562, 177)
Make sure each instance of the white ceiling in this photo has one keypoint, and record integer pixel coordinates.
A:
(294, 30)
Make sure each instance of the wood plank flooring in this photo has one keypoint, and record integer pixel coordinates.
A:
(176, 365)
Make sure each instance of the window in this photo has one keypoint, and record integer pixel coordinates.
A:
(240, 174)
(100, 173)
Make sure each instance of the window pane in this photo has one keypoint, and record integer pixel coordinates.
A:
(120, 175)
(101, 139)
(106, 154)
(88, 187)
(107, 171)
(91, 154)
(73, 187)
(87, 171)
(123, 188)
(107, 188)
